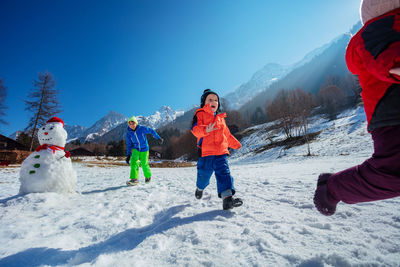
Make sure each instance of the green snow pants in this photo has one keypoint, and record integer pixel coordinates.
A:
(144, 161)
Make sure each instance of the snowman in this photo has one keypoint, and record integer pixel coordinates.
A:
(48, 168)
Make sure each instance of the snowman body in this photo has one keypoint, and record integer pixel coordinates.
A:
(48, 169)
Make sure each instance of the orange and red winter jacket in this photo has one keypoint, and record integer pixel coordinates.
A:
(216, 142)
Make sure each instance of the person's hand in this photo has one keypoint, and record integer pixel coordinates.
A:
(128, 158)
(161, 140)
(211, 128)
(395, 71)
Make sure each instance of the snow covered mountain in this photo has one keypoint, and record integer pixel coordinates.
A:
(160, 118)
(258, 82)
(75, 131)
(112, 127)
(263, 78)
(104, 125)
(308, 73)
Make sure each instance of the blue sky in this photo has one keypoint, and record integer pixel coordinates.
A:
(132, 57)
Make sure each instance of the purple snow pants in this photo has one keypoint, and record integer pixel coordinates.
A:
(378, 177)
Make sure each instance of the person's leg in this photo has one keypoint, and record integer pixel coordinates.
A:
(134, 164)
(144, 161)
(225, 183)
(204, 171)
(375, 179)
(223, 176)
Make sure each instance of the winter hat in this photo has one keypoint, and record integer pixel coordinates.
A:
(370, 9)
(204, 96)
(133, 118)
(55, 120)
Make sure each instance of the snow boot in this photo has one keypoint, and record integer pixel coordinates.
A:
(132, 182)
(198, 194)
(230, 202)
(147, 180)
(323, 200)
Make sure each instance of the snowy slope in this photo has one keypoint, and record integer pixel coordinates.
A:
(344, 136)
(161, 224)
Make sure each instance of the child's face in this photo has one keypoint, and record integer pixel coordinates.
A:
(132, 125)
(213, 101)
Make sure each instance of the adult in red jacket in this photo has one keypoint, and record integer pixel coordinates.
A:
(374, 55)
(213, 140)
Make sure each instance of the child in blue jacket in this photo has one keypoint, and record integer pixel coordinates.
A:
(137, 148)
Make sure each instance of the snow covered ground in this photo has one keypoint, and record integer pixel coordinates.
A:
(162, 224)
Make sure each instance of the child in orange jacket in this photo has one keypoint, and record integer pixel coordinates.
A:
(213, 139)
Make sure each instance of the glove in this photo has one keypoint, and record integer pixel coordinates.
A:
(161, 141)
(128, 158)
(210, 127)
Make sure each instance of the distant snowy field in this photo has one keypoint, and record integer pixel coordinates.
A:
(161, 224)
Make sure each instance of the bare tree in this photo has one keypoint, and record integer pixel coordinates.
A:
(235, 118)
(332, 80)
(3, 96)
(258, 116)
(331, 98)
(182, 145)
(42, 103)
(280, 109)
(303, 104)
(351, 87)
(292, 108)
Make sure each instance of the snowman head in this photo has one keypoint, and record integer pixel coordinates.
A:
(53, 133)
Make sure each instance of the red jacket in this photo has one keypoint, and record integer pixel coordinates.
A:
(215, 142)
(371, 53)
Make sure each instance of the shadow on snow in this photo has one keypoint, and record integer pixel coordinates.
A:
(124, 241)
(104, 190)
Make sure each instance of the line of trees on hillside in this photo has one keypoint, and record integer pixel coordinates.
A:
(293, 108)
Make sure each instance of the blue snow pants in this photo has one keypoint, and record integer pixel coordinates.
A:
(218, 164)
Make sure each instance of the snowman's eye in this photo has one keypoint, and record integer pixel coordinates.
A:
(51, 128)
(43, 128)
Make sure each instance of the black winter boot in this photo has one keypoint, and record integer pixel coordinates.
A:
(230, 202)
(198, 193)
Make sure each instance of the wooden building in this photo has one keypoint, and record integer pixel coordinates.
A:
(80, 151)
(11, 151)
